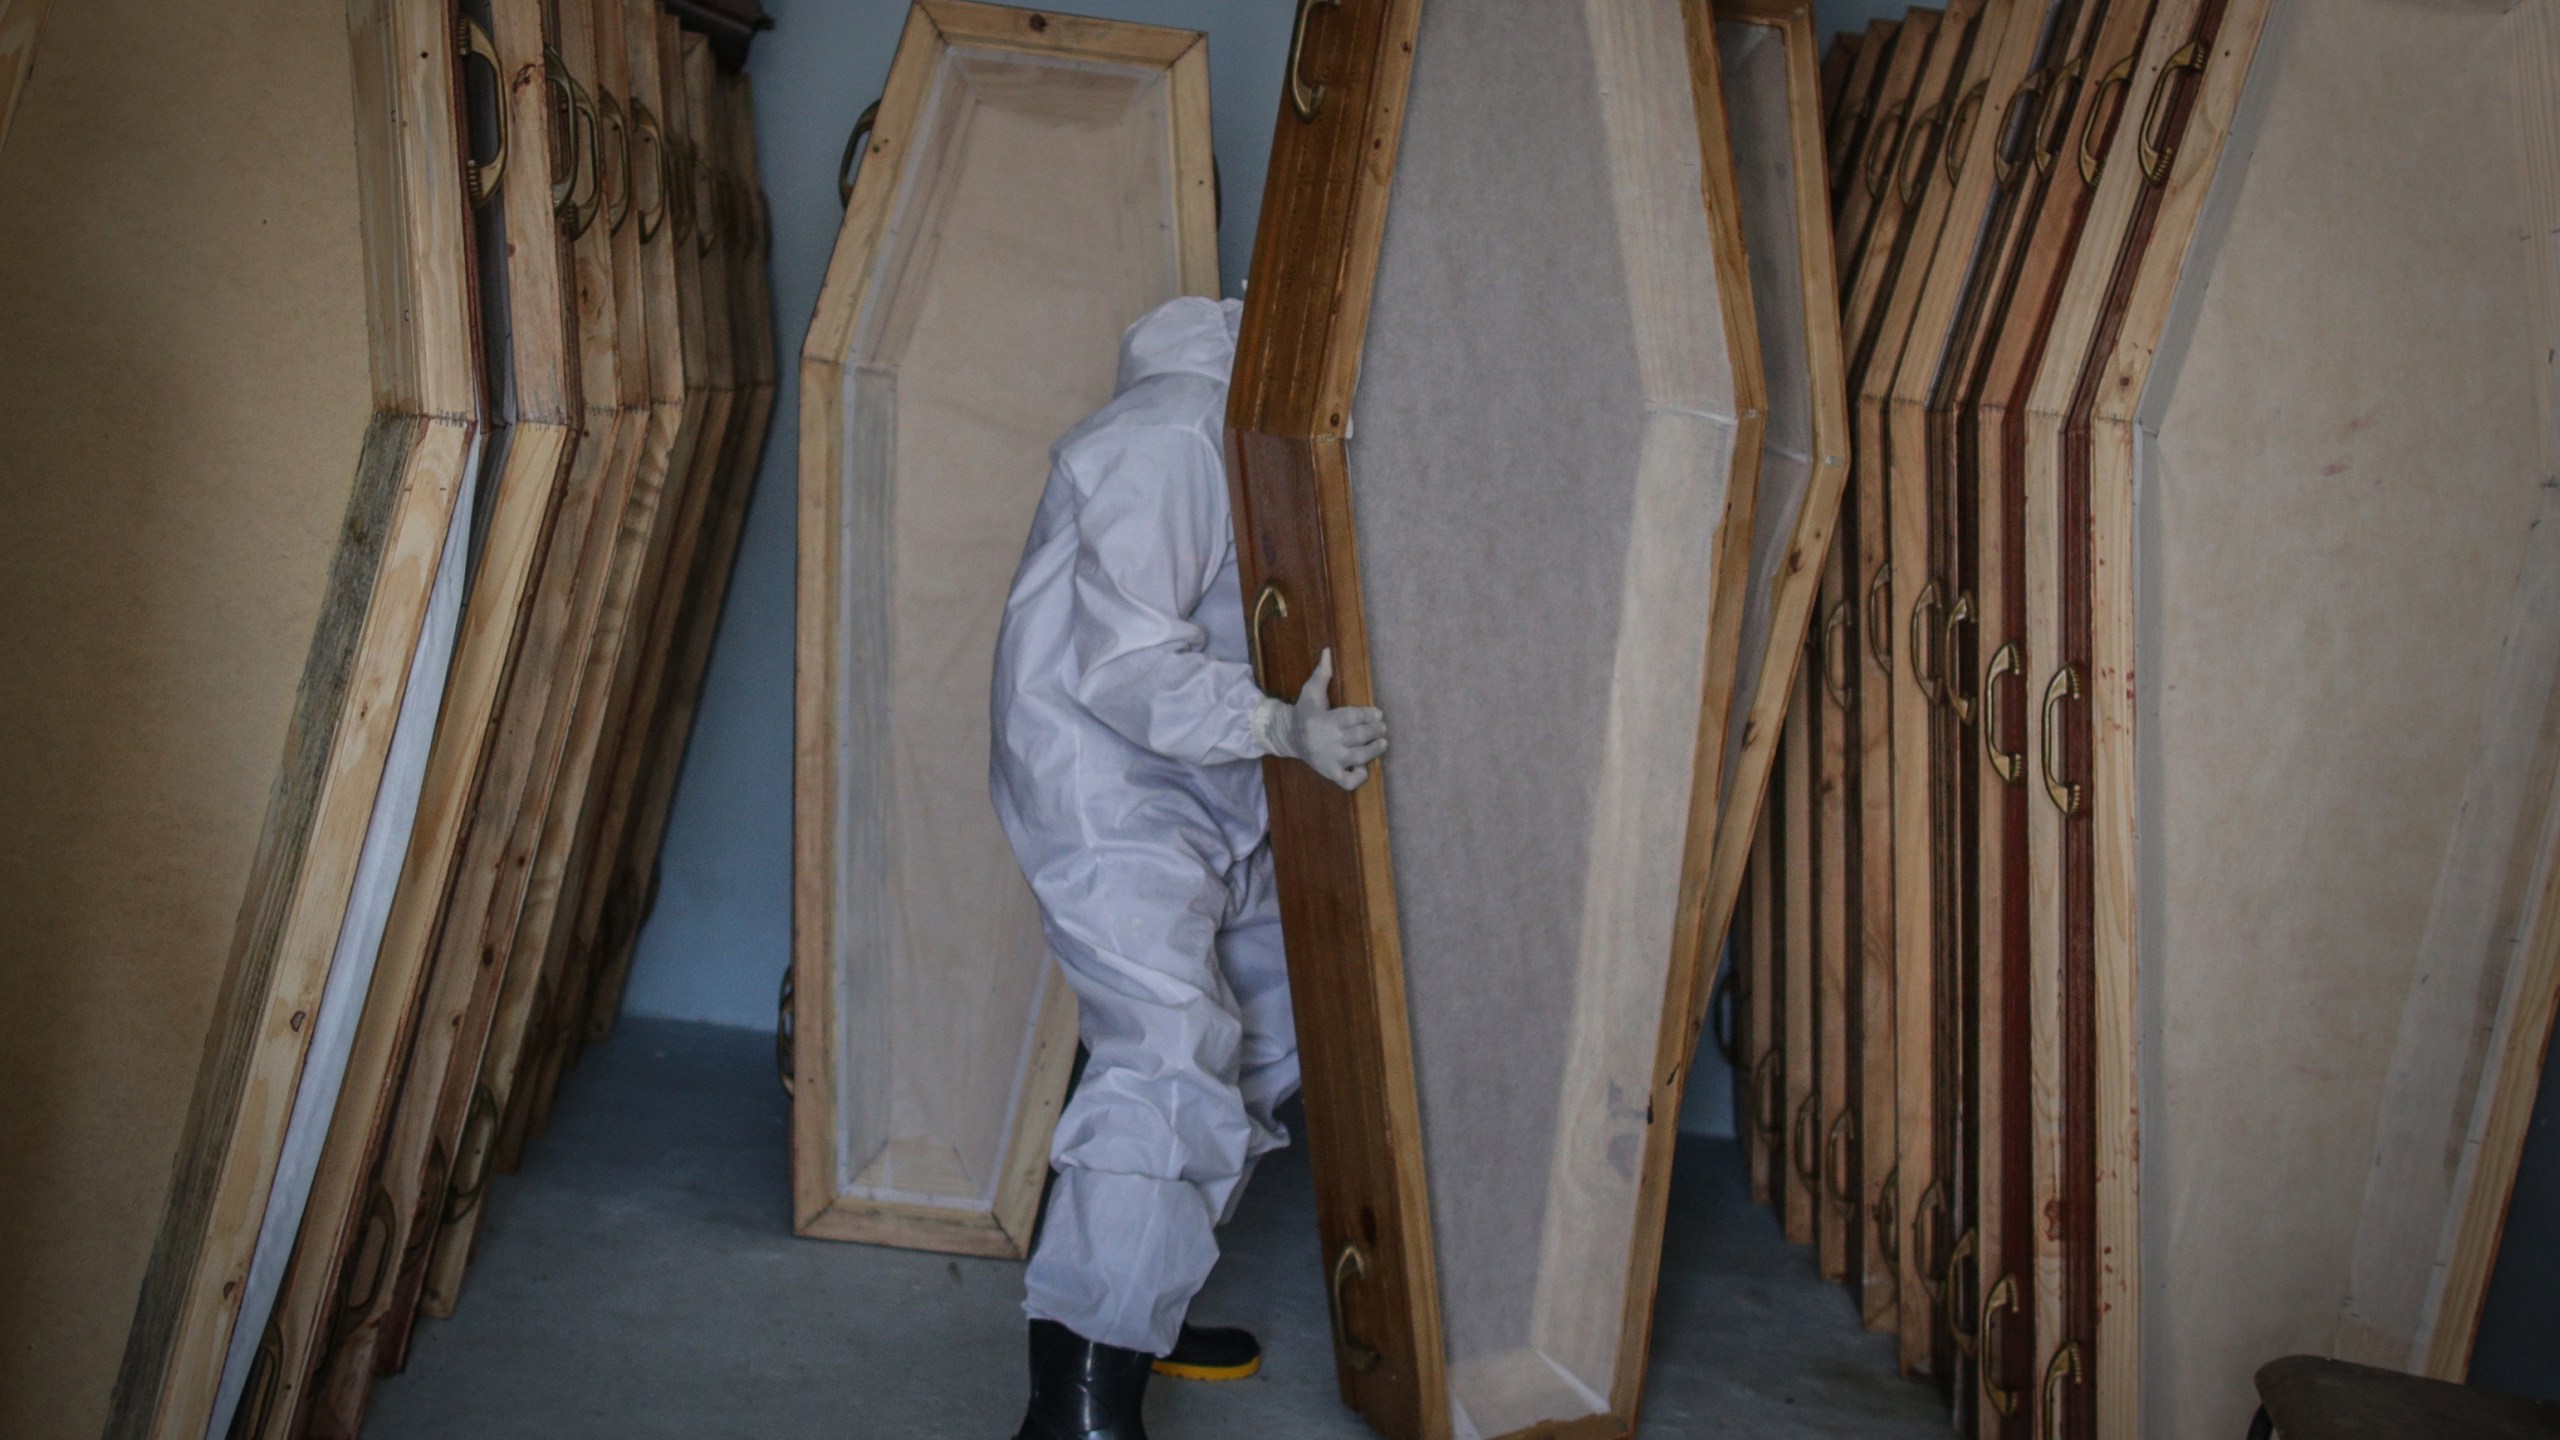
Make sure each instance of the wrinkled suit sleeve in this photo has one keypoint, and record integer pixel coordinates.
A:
(1152, 529)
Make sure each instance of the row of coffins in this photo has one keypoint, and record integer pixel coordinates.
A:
(2146, 957)
(418, 462)
(1591, 367)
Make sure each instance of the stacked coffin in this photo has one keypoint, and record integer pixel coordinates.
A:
(2145, 954)
(468, 606)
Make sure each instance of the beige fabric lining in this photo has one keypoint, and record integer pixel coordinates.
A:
(1035, 223)
(1544, 430)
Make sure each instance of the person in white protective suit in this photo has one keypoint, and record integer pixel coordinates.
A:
(1126, 772)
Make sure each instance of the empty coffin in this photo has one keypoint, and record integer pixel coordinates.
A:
(2290, 600)
(236, 377)
(1532, 555)
(1034, 184)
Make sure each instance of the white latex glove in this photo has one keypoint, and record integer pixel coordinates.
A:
(1338, 742)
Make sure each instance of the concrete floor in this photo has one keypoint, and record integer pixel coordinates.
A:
(639, 1280)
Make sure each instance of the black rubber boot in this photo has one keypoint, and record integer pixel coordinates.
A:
(1212, 1352)
(1082, 1390)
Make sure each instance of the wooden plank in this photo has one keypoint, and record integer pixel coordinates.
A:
(1798, 1066)
(1862, 183)
(415, 1164)
(637, 883)
(998, 196)
(533, 349)
(1295, 503)
(404, 82)
(1828, 1108)
(1837, 61)
(1779, 152)
(1846, 124)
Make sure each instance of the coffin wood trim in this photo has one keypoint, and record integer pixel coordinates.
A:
(1762, 699)
(1307, 312)
(935, 30)
(542, 432)
(1799, 906)
(1846, 124)
(426, 417)
(1914, 346)
(1837, 60)
(637, 883)
(1857, 204)
(413, 1166)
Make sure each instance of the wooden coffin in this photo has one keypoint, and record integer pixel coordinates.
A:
(1033, 184)
(1494, 433)
(1948, 183)
(226, 558)
(1772, 102)
(2285, 465)
(1863, 188)
(1846, 124)
(745, 239)
(341, 1260)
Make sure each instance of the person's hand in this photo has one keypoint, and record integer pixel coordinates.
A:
(1338, 742)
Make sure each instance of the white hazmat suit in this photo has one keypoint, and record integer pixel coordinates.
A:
(1126, 772)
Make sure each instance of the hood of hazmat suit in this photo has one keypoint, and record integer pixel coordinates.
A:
(1123, 703)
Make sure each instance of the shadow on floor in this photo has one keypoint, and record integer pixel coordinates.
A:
(639, 1280)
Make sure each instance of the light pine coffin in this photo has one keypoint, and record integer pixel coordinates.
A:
(241, 410)
(1033, 184)
(1494, 433)
(342, 1260)
(1772, 102)
(2303, 346)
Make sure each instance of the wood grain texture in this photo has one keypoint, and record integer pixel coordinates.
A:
(1799, 903)
(524, 249)
(402, 82)
(1793, 532)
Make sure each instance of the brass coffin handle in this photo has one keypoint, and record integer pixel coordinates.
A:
(1961, 614)
(1933, 1201)
(1835, 1163)
(482, 1121)
(785, 1030)
(1349, 1265)
(845, 168)
(1932, 682)
(2003, 1299)
(2016, 142)
(1305, 101)
(1837, 659)
(1967, 1341)
(1769, 1101)
(475, 44)
(1270, 600)
(2053, 129)
(583, 213)
(562, 91)
(1932, 123)
(2065, 685)
(1879, 631)
(2065, 1366)
(2159, 153)
(614, 195)
(1807, 1165)
(2092, 159)
(2008, 764)
(362, 1286)
(645, 131)
(1885, 1214)
(1960, 123)
(1888, 151)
